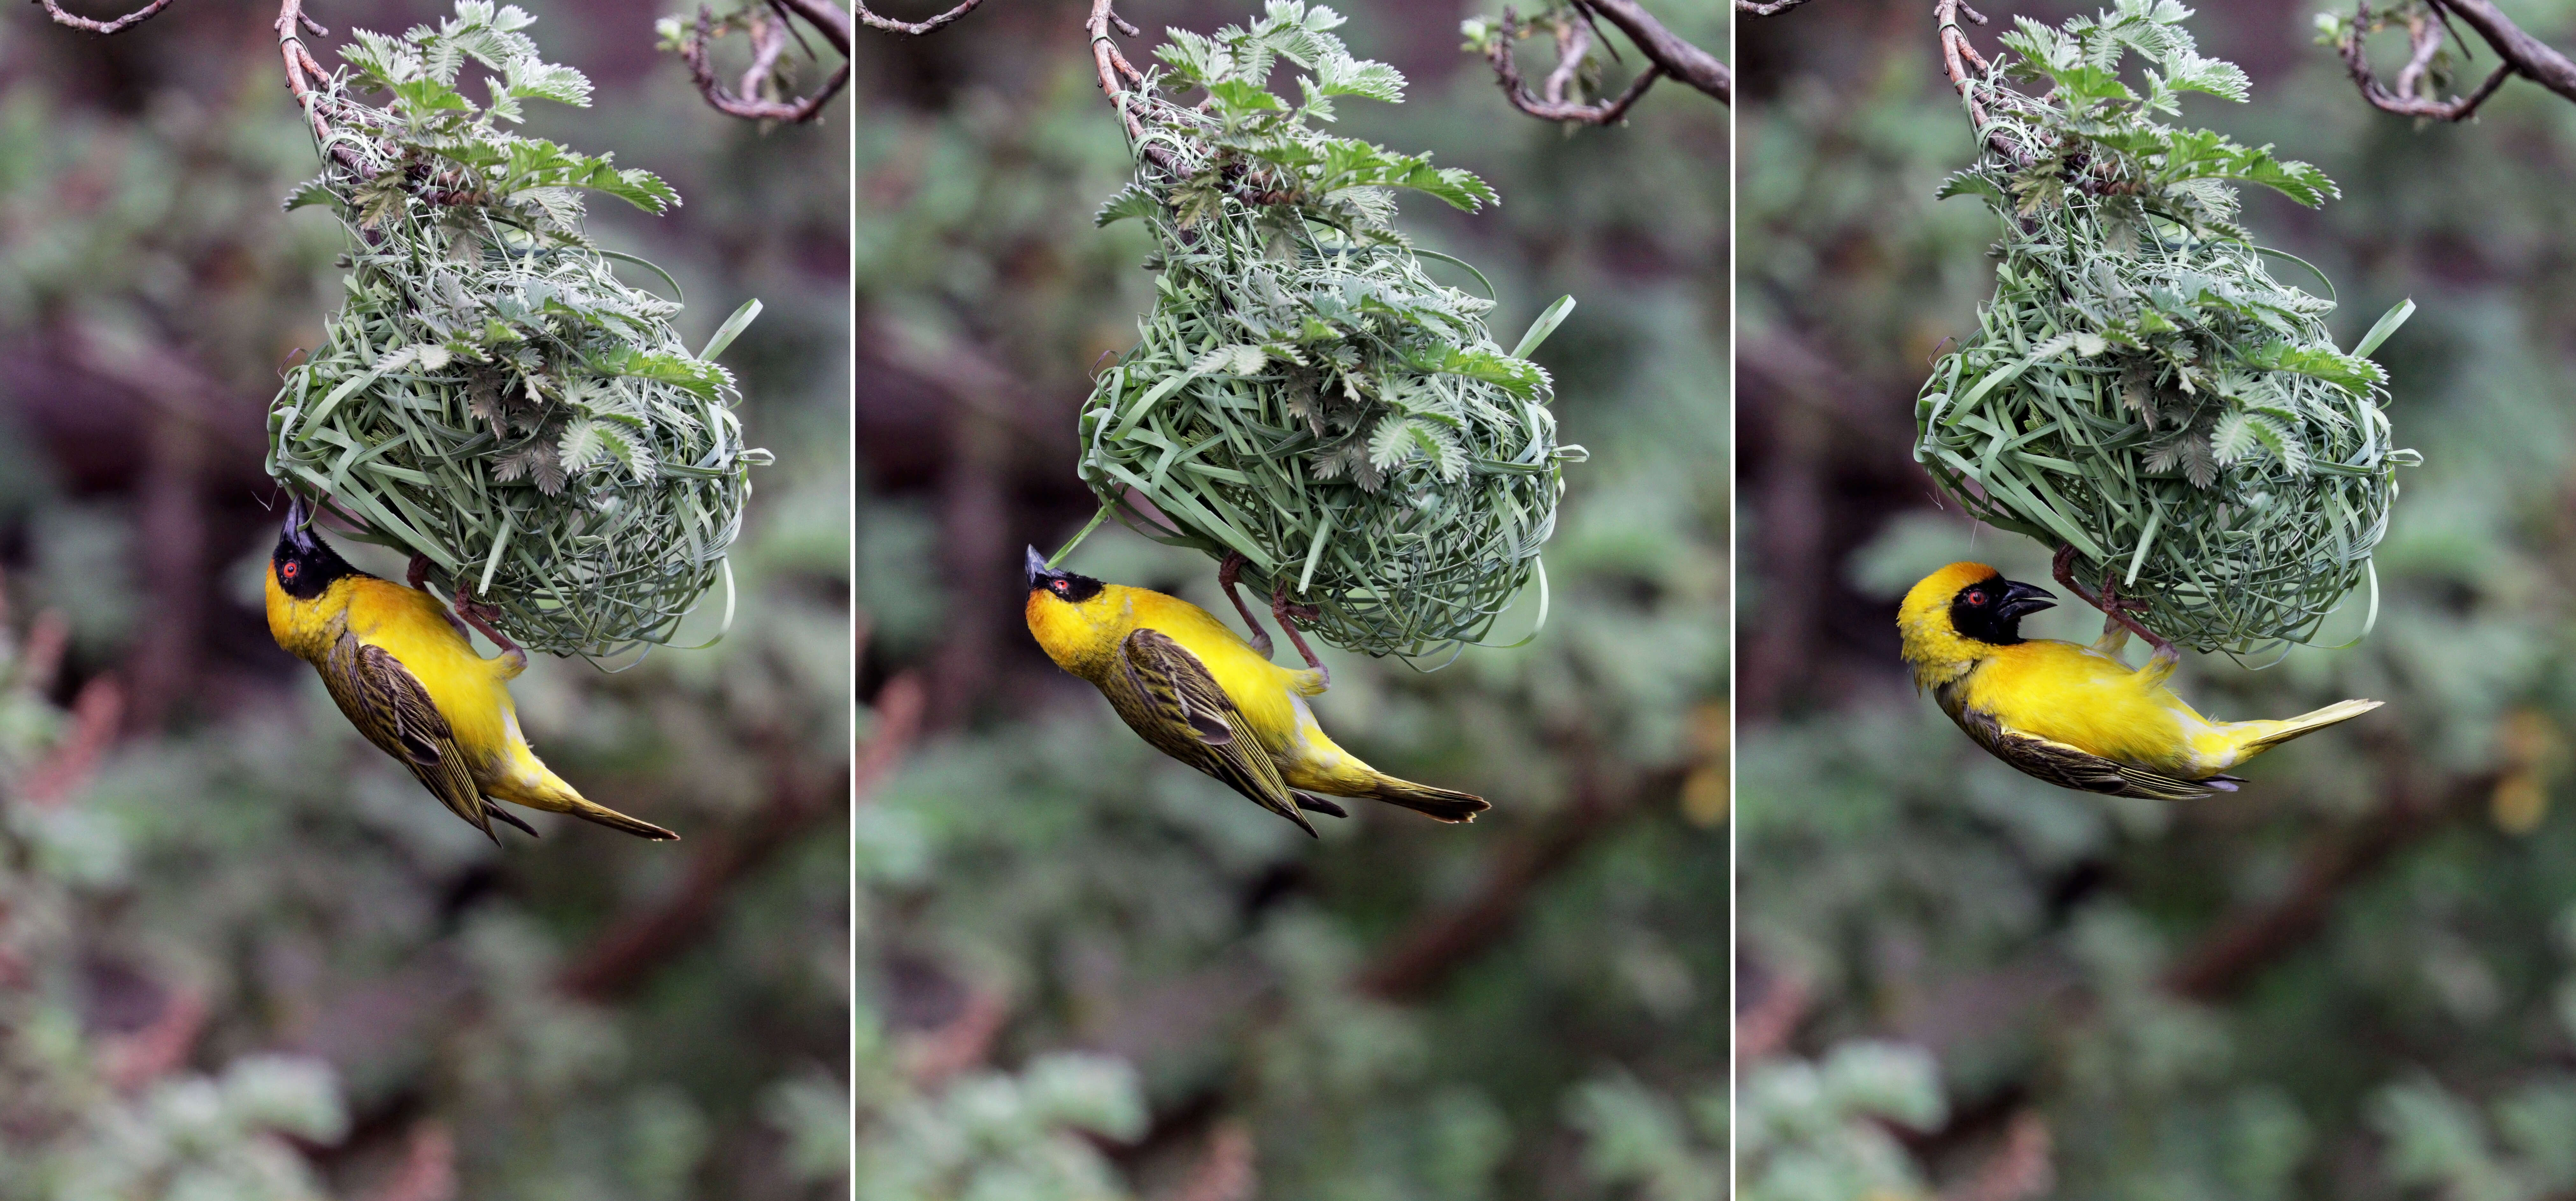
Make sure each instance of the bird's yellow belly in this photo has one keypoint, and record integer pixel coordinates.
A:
(2093, 702)
(461, 683)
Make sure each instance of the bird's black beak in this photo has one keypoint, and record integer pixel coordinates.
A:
(2021, 599)
(1038, 573)
(298, 518)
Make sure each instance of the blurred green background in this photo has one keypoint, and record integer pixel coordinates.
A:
(242, 954)
(2354, 979)
(1086, 971)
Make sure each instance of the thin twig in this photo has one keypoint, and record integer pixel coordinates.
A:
(769, 32)
(1752, 8)
(1573, 41)
(76, 21)
(1966, 69)
(2424, 40)
(913, 28)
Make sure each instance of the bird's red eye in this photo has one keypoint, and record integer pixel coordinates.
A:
(286, 572)
(1062, 587)
(1977, 598)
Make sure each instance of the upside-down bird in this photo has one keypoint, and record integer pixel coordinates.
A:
(406, 675)
(2075, 716)
(1201, 695)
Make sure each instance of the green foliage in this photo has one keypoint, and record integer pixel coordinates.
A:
(2140, 387)
(491, 395)
(249, 857)
(1117, 903)
(1813, 1131)
(1304, 394)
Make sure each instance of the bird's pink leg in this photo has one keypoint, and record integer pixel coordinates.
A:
(1283, 610)
(1227, 573)
(2114, 609)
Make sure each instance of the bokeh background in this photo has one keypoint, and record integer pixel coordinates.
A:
(2354, 979)
(1086, 971)
(244, 955)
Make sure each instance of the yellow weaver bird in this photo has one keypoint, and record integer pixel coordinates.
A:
(1201, 695)
(2075, 716)
(404, 672)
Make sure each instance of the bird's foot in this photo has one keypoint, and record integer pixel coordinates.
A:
(2114, 607)
(1228, 574)
(482, 617)
(1289, 614)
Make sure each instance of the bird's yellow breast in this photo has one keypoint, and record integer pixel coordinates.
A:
(413, 627)
(2086, 699)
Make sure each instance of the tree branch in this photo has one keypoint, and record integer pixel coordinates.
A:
(1573, 41)
(769, 25)
(138, 16)
(1753, 8)
(1436, 944)
(1683, 61)
(629, 952)
(913, 28)
(2424, 36)
(2229, 956)
(1667, 55)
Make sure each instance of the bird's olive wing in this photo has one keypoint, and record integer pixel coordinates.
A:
(388, 704)
(1173, 693)
(2070, 766)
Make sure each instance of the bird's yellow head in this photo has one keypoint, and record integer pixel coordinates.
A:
(1077, 619)
(300, 571)
(1959, 614)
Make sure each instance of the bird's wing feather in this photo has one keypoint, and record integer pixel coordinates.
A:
(1172, 691)
(388, 704)
(2065, 765)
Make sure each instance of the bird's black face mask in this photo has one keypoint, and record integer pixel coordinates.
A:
(1991, 609)
(304, 564)
(1063, 585)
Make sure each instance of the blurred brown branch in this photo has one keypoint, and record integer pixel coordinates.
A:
(428, 1168)
(2227, 958)
(1765, 1027)
(2020, 1170)
(632, 949)
(1423, 955)
(770, 25)
(1226, 1171)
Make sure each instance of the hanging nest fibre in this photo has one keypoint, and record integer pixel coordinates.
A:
(1304, 394)
(492, 396)
(2140, 387)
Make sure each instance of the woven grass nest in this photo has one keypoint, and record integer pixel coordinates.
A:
(1306, 396)
(492, 396)
(2142, 389)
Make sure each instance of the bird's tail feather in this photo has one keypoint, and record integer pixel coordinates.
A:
(1445, 804)
(551, 793)
(2306, 723)
(618, 821)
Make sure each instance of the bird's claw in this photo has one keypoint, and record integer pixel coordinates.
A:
(483, 617)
